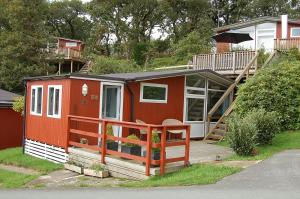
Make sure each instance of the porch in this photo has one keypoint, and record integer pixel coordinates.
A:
(174, 154)
(228, 63)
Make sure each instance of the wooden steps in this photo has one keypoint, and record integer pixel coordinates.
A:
(86, 67)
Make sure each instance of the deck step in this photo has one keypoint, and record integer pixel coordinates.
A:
(222, 126)
(215, 137)
(219, 131)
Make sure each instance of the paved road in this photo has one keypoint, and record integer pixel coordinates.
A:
(278, 177)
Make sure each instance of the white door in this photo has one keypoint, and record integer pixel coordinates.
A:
(194, 114)
(111, 104)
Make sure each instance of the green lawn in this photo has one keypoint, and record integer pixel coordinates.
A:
(14, 156)
(282, 141)
(10, 179)
(195, 175)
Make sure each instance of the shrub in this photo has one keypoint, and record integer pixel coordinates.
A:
(109, 131)
(18, 105)
(266, 125)
(131, 137)
(155, 139)
(274, 88)
(107, 65)
(241, 135)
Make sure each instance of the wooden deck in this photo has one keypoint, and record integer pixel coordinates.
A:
(229, 63)
(286, 44)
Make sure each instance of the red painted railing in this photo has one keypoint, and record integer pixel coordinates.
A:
(148, 143)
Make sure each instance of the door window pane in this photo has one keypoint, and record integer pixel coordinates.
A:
(195, 109)
(110, 100)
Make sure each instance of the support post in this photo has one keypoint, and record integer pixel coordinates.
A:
(163, 150)
(103, 142)
(68, 134)
(59, 68)
(148, 150)
(71, 66)
(187, 146)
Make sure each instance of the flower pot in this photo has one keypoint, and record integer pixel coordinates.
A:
(94, 173)
(133, 150)
(112, 146)
(155, 155)
(75, 168)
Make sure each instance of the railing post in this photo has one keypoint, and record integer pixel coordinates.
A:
(233, 62)
(214, 62)
(148, 150)
(163, 150)
(68, 134)
(187, 146)
(68, 53)
(103, 142)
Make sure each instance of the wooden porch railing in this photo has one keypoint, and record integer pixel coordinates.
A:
(66, 53)
(229, 61)
(148, 144)
(286, 44)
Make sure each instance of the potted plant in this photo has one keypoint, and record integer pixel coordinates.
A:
(155, 152)
(96, 170)
(130, 148)
(110, 144)
(74, 166)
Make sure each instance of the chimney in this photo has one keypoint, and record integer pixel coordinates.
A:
(284, 26)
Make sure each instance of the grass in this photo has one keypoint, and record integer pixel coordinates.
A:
(166, 61)
(10, 179)
(14, 156)
(282, 141)
(198, 174)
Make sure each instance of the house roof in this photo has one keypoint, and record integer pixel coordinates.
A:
(140, 76)
(252, 22)
(7, 98)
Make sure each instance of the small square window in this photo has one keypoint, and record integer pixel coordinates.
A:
(54, 101)
(36, 100)
(295, 32)
(154, 93)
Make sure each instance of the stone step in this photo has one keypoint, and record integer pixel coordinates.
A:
(219, 131)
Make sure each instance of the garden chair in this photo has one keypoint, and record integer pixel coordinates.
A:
(173, 122)
(144, 131)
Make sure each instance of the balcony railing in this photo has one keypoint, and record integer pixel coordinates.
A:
(286, 44)
(65, 53)
(74, 132)
(229, 62)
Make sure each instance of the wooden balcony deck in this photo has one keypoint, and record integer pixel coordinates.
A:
(64, 53)
(286, 44)
(229, 63)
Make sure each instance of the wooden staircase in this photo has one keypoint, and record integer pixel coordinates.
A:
(86, 67)
(218, 131)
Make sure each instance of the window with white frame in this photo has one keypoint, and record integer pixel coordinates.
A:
(54, 101)
(36, 100)
(154, 93)
(295, 32)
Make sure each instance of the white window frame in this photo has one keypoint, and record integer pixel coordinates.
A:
(165, 86)
(291, 34)
(35, 99)
(71, 44)
(59, 87)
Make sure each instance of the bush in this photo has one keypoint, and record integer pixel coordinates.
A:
(18, 104)
(131, 137)
(155, 139)
(107, 65)
(266, 124)
(275, 87)
(241, 135)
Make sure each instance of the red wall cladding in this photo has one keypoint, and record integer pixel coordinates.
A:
(11, 128)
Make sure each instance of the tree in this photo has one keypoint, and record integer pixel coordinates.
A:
(69, 19)
(22, 35)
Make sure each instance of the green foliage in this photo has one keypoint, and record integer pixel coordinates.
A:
(198, 174)
(131, 137)
(241, 135)
(109, 131)
(274, 88)
(107, 65)
(14, 156)
(193, 43)
(18, 104)
(139, 53)
(262, 57)
(266, 125)
(9, 179)
(97, 167)
(155, 139)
